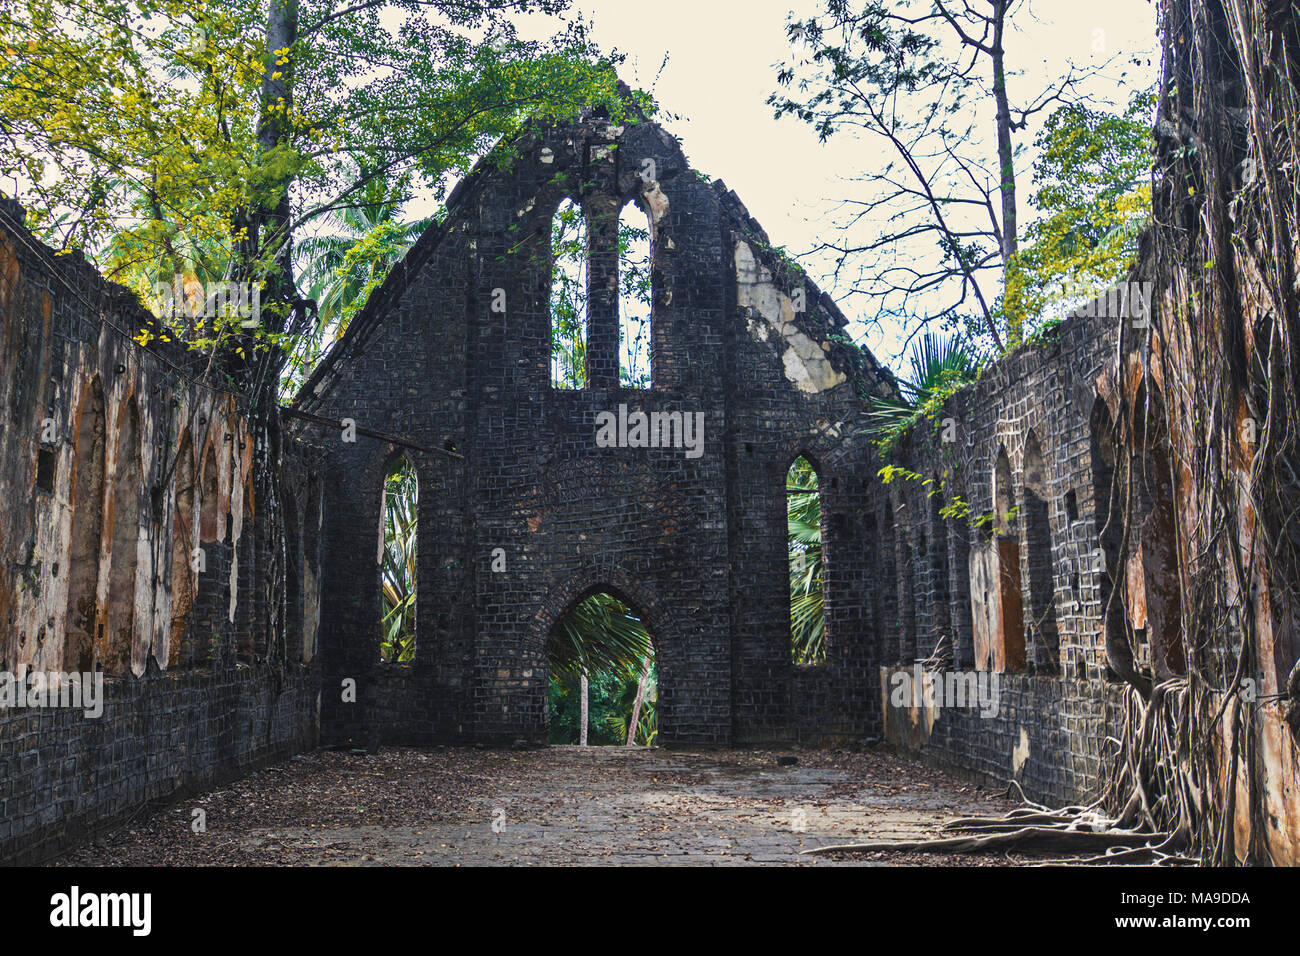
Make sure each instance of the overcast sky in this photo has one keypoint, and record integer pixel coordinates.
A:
(720, 70)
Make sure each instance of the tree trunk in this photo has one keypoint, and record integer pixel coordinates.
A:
(640, 699)
(582, 720)
(1006, 159)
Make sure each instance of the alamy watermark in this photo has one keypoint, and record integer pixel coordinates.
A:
(41, 689)
(944, 689)
(221, 299)
(654, 430)
(1128, 300)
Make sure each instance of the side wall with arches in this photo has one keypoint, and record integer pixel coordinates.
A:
(100, 472)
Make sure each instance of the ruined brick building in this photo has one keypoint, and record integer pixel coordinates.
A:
(116, 459)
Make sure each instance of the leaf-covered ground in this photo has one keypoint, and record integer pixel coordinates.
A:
(562, 805)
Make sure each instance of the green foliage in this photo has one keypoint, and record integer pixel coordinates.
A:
(599, 634)
(397, 576)
(161, 136)
(804, 525)
(341, 266)
(1093, 179)
(939, 368)
(611, 697)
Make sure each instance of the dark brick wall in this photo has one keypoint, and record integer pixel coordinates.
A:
(65, 777)
(697, 545)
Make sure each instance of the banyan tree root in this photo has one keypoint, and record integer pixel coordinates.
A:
(1069, 830)
(1146, 815)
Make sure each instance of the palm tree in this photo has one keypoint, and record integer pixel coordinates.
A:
(340, 267)
(601, 639)
(938, 368)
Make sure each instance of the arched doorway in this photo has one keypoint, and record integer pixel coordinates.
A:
(602, 674)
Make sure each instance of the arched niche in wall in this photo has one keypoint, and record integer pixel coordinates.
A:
(943, 644)
(311, 534)
(1038, 554)
(184, 541)
(1008, 644)
(124, 554)
(1156, 570)
(209, 609)
(89, 463)
(1109, 500)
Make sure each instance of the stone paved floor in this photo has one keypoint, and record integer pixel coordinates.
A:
(562, 805)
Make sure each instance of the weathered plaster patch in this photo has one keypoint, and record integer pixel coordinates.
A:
(1020, 754)
(656, 203)
(804, 361)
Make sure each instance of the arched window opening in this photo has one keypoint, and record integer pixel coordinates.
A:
(944, 650)
(1008, 646)
(1157, 562)
(82, 614)
(1039, 561)
(311, 573)
(295, 551)
(184, 541)
(908, 558)
(1004, 499)
(248, 554)
(1108, 518)
(889, 630)
(603, 676)
(127, 488)
(634, 298)
(397, 562)
(806, 558)
(208, 504)
(568, 302)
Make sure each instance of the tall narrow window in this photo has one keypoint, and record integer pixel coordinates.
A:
(1038, 546)
(398, 561)
(127, 488)
(87, 529)
(568, 297)
(634, 305)
(804, 527)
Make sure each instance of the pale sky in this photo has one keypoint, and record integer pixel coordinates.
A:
(721, 68)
